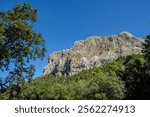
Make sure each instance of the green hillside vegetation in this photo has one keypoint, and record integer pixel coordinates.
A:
(107, 82)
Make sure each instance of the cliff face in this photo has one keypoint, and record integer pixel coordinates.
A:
(93, 52)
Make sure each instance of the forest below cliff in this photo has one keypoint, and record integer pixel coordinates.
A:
(124, 78)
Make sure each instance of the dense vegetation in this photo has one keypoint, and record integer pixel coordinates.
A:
(125, 78)
(97, 83)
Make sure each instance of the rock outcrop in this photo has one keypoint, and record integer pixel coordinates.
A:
(92, 52)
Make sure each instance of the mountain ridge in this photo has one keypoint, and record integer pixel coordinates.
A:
(94, 51)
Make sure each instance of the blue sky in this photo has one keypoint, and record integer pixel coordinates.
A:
(62, 22)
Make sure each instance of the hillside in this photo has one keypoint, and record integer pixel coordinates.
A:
(98, 83)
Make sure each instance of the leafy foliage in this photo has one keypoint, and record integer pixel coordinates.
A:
(137, 74)
(92, 84)
(19, 43)
(85, 87)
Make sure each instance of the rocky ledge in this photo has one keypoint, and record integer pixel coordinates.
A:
(92, 52)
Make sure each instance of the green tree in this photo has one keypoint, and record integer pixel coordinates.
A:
(134, 79)
(137, 74)
(19, 44)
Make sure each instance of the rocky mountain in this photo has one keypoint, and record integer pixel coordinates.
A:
(92, 52)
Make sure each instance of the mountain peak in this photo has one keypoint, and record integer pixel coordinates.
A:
(125, 33)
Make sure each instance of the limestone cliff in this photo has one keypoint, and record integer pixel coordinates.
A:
(92, 52)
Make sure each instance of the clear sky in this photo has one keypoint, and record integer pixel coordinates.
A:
(62, 22)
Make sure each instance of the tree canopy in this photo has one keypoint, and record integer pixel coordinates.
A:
(137, 75)
(19, 43)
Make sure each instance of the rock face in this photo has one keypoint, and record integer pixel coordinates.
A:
(93, 52)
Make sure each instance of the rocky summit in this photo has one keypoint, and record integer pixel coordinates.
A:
(92, 52)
